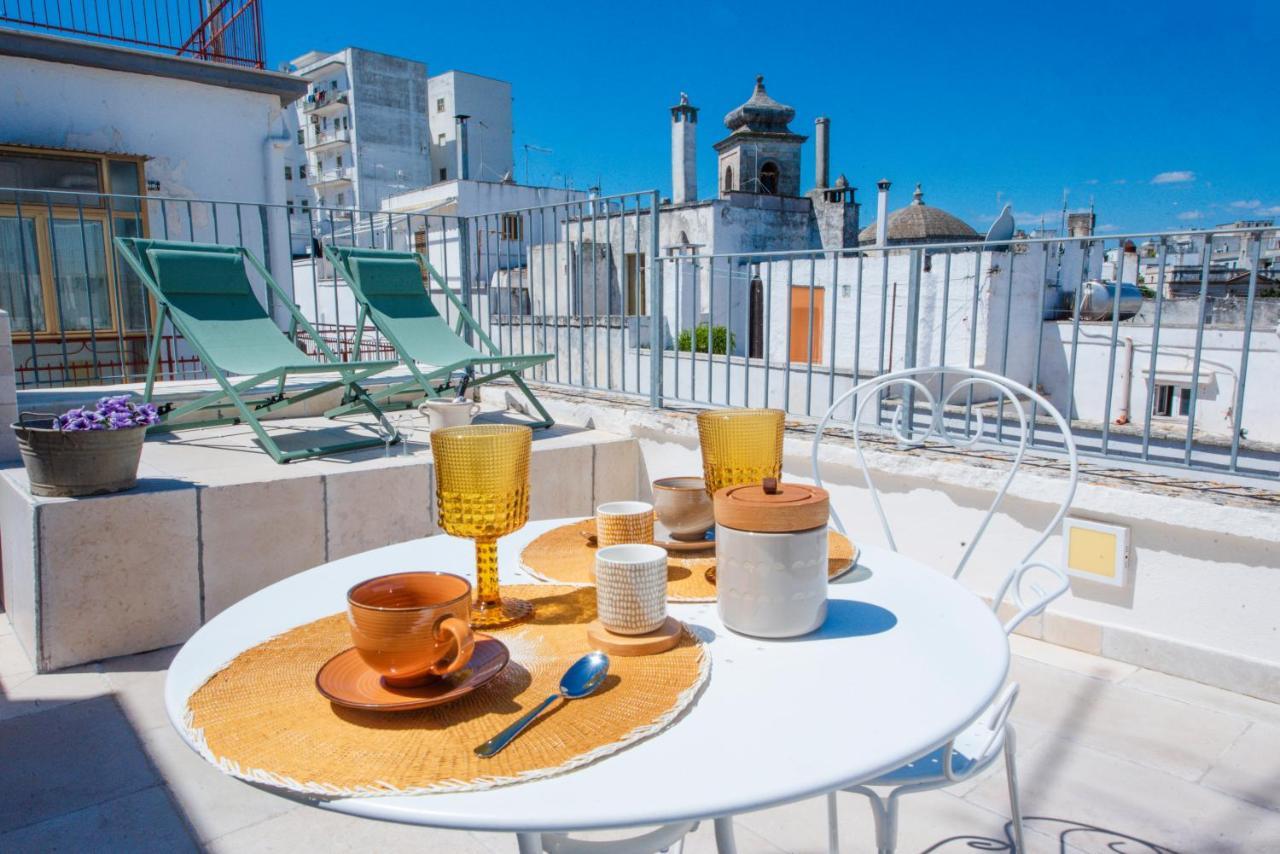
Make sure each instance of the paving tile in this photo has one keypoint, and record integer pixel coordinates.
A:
(311, 829)
(137, 682)
(14, 663)
(214, 803)
(1071, 660)
(1204, 696)
(40, 692)
(66, 759)
(926, 819)
(1250, 770)
(1069, 785)
(1127, 723)
(142, 821)
(703, 841)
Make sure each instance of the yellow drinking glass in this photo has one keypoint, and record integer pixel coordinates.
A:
(740, 446)
(482, 492)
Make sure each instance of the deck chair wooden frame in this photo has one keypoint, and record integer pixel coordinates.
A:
(427, 345)
(268, 351)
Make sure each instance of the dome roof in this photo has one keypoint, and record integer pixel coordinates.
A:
(920, 223)
(760, 114)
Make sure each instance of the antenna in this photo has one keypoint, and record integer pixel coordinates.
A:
(530, 147)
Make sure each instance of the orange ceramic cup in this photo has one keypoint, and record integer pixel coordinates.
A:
(412, 625)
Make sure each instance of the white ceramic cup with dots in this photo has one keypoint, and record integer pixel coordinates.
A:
(631, 588)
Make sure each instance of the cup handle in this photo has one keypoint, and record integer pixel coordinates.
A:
(462, 637)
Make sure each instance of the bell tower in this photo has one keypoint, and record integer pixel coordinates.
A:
(760, 155)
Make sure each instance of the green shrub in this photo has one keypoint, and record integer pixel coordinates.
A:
(722, 339)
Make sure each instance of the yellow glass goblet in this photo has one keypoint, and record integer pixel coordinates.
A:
(482, 492)
(740, 446)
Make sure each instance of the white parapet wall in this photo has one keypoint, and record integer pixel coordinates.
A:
(8, 394)
(213, 520)
(1205, 566)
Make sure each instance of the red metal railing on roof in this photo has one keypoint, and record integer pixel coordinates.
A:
(228, 31)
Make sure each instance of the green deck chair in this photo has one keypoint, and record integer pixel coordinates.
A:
(388, 287)
(204, 291)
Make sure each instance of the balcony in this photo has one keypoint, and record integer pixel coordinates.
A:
(340, 175)
(323, 140)
(325, 102)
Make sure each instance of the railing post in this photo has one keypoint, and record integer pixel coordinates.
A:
(657, 341)
(911, 334)
(464, 272)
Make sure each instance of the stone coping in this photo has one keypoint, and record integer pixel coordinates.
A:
(214, 519)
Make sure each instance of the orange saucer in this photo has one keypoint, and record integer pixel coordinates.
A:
(347, 681)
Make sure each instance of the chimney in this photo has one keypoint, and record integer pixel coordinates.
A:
(882, 212)
(684, 152)
(823, 159)
(461, 144)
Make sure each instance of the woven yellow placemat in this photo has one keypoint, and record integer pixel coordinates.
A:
(563, 556)
(261, 718)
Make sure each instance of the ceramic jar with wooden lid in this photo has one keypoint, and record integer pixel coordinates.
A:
(771, 558)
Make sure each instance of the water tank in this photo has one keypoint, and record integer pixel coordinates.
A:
(1097, 300)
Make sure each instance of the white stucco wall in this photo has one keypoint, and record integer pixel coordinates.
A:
(205, 142)
(489, 130)
(1219, 374)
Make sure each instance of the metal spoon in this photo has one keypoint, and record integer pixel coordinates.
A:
(581, 679)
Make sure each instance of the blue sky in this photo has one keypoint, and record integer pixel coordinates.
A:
(1165, 114)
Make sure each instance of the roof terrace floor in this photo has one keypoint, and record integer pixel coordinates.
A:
(1109, 753)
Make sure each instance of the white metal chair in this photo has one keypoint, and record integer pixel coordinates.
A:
(974, 749)
(667, 838)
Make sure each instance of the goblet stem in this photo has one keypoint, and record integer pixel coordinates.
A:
(487, 595)
(490, 610)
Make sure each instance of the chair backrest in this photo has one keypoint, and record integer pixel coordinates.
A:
(943, 393)
(390, 286)
(211, 302)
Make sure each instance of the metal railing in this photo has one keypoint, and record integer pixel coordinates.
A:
(228, 31)
(1159, 375)
(1159, 379)
(79, 316)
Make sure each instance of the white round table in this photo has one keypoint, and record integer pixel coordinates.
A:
(906, 659)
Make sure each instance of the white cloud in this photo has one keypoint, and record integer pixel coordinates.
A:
(1120, 181)
(1092, 181)
(1180, 176)
(1250, 204)
(1107, 228)
(1191, 215)
(1273, 210)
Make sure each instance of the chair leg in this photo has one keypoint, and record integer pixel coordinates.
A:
(529, 843)
(724, 836)
(1011, 773)
(833, 824)
(887, 827)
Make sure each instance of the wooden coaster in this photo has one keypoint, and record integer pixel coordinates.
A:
(660, 640)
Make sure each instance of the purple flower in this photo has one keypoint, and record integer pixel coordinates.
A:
(110, 413)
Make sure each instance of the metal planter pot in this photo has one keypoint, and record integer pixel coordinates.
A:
(82, 462)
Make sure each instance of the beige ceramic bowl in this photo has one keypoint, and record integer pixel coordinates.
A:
(683, 506)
